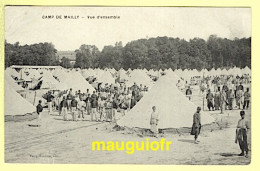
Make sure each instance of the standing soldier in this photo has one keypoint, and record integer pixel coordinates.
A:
(188, 93)
(39, 109)
(231, 97)
(49, 101)
(246, 99)
(94, 105)
(222, 101)
(196, 126)
(81, 107)
(217, 99)
(209, 98)
(241, 134)
(74, 104)
(69, 98)
(88, 105)
(64, 108)
(240, 98)
(154, 122)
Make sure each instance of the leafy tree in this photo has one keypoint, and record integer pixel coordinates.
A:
(65, 62)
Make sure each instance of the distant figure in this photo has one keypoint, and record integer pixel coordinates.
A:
(64, 108)
(223, 99)
(69, 98)
(202, 87)
(217, 99)
(94, 105)
(81, 108)
(39, 109)
(246, 99)
(115, 106)
(210, 98)
(154, 122)
(231, 97)
(179, 84)
(188, 93)
(241, 134)
(240, 87)
(196, 126)
(240, 98)
(49, 101)
(74, 104)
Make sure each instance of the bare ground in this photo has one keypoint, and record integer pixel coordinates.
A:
(58, 141)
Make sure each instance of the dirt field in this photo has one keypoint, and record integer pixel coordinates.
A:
(58, 141)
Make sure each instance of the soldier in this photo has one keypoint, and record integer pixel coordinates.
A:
(196, 126)
(241, 134)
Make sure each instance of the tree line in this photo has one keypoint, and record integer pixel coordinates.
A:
(153, 53)
(42, 54)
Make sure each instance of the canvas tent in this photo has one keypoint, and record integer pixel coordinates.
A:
(106, 78)
(175, 110)
(48, 81)
(139, 77)
(15, 104)
(75, 81)
(11, 82)
(12, 72)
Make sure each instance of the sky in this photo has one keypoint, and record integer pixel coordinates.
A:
(29, 25)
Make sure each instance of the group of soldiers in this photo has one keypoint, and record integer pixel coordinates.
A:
(228, 98)
(101, 105)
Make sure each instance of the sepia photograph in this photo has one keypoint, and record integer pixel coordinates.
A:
(127, 85)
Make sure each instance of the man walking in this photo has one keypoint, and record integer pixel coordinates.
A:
(196, 126)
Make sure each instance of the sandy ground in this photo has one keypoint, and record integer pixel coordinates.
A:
(58, 141)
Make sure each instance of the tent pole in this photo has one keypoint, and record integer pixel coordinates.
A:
(34, 97)
(203, 101)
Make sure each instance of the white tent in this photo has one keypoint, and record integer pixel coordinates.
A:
(11, 82)
(34, 74)
(152, 72)
(75, 81)
(246, 70)
(88, 73)
(224, 72)
(12, 72)
(174, 108)
(174, 77)
(15, 104)
(60, 74)
(122, 74)
(106, 78)
(98, 73)
(48, 81)
(139, 77)
(23, 76)
(236, 71)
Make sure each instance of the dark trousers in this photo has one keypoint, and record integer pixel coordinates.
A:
(210, 105)
(246, 104)
(243, 141)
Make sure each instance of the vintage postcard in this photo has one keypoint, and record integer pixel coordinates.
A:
(127, 85)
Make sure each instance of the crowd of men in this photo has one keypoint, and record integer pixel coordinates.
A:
(101, 105)
(223, 92)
